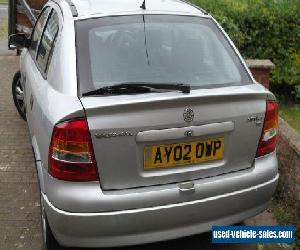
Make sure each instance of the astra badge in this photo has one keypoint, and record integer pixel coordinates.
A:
(188, 115)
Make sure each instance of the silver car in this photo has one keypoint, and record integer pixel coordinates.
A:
(145, 123)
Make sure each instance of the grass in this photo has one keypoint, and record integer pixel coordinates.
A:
(3, 1)
(291, 114)
(273, 247)
(3, 28)
(285, 215)
(283, 209)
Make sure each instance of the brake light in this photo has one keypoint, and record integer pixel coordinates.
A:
(71, 154)
(268, 140)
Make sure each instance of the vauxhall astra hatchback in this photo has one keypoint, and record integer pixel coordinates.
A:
(145, 123)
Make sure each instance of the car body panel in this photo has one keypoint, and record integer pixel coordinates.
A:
(47, 108)
(90, 198)
(110, 7)
(136, 226)
(48, 94)
(158, 112)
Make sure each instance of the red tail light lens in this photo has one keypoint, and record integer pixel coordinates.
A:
(71, 154)
(268, 140)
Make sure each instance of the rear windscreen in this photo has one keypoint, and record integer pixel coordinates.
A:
(155, 49)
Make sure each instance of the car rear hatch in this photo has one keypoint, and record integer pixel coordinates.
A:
(226, 126)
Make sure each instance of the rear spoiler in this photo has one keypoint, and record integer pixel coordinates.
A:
(23, 14)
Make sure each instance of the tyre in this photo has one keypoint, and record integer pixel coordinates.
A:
(18, 95)
(49, 242)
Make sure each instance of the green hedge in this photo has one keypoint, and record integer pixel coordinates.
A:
(263, 29)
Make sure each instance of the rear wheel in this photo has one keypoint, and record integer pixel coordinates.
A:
(18, 95)
(49, 242)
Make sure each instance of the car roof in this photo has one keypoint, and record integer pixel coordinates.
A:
(116, 7)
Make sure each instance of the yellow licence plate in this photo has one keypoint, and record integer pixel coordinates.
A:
(171, 155)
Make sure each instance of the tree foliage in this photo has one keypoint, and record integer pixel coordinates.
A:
(263, 29)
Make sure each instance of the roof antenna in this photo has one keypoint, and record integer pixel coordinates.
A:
(143, 6)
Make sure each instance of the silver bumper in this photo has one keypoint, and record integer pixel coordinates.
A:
(156, 223)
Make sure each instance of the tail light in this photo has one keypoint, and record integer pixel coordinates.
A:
(268, 140)
(71, 154)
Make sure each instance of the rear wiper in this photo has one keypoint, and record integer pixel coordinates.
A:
(136, 88)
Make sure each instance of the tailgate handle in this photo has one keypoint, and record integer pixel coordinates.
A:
(180, 133)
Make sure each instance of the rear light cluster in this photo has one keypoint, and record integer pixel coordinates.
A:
(71, 154)
(268, 140)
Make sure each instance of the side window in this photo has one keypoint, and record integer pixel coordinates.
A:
(46, 45)
(38, 29)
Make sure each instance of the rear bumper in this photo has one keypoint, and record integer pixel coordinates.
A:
(143, 225)
(138, 226)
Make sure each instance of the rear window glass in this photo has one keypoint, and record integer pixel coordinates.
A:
(155, 49)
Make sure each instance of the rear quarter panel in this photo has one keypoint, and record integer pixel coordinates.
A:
(55, 95)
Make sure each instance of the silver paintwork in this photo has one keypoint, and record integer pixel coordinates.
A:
(90, 198)
(161, 115)
(232, 198)
(127, 204)
(181, 133)
(115, 7)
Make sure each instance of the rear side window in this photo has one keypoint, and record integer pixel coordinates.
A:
(45, 49)
(38, 29)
